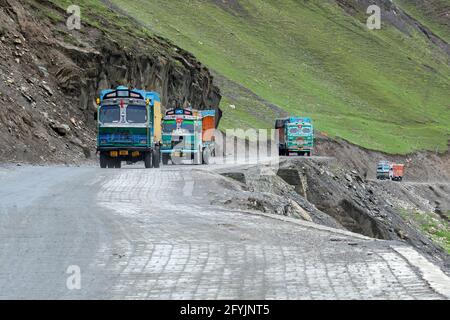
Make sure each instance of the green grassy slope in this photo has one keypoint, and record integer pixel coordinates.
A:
(383, 90)
(435, 14)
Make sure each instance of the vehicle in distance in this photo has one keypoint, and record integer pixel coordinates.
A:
(296, 135)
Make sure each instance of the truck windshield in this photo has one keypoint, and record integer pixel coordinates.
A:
(188, 125)
(109, 114)
(169, 126)
(136, 114)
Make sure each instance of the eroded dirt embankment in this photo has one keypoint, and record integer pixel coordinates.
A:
(50, 77)
(338, 193)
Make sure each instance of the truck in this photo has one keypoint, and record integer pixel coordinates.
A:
(397, 171)
(296, 135)
(188, 134)
(390, 171)
(129, 127)
(383, 170)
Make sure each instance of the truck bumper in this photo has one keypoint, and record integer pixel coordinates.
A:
(106, 149)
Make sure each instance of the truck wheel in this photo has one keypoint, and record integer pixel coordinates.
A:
(103, 160)
(110, 163)
(117, 164)
(156, 157)
(148, 160)
(165, 159)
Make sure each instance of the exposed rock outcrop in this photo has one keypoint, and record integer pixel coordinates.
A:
(51, 76)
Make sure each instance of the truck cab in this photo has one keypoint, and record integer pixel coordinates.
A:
(296, 135)
(129, 127)
(383, 170)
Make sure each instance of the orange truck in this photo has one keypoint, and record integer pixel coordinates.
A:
(397, 171)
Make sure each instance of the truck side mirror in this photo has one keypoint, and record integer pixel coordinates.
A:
(95, 116)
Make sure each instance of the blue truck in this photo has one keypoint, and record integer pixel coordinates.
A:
(296, 135)
(129, 127)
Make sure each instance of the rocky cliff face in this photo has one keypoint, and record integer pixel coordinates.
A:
(50, 77)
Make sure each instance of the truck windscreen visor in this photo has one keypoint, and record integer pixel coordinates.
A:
(136, 114)
(109, 114)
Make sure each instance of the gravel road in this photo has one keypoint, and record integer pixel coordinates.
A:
(161, 234)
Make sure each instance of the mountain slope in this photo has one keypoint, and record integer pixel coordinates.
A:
(386, 90)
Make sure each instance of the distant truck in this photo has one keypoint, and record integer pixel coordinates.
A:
(129, 127)
(383, 170)
(296, 135)
(397, 171)
(188, 135)
(390, 171)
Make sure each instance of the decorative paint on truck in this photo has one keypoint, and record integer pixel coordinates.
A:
(188, 135)
(296, 135)
(129, 127)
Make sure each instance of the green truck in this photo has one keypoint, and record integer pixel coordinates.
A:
(296, 135)
(188, 135)
(129, 127)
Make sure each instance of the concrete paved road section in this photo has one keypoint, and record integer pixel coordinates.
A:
(72, 233)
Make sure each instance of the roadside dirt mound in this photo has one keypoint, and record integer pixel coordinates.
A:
(50, 77)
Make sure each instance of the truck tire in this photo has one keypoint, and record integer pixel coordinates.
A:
(103, 160)
(110, 162)
(148, 159)
(165, 159)
(156, 157)
(117, 164)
